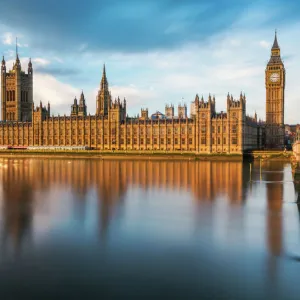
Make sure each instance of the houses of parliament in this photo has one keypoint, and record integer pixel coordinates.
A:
(204, 132)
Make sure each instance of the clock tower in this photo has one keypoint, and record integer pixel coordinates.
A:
(275, 85)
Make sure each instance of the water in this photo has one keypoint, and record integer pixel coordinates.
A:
(88, 228)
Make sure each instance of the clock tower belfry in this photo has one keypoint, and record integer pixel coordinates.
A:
(275, 85)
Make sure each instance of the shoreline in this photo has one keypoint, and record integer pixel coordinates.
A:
(255, 155)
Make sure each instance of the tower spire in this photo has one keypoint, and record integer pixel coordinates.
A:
(275, 44)
(104, 83)
(17, 55)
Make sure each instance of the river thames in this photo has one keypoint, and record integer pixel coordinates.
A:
(87, 228)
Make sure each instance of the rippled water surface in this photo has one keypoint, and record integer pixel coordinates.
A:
(85, 228)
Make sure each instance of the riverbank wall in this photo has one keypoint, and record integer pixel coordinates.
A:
(120, 155)
(147, 155)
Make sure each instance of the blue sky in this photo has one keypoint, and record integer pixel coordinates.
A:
(156, 52)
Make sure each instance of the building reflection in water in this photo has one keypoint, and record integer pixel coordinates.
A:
(17, 206)
(25, 180)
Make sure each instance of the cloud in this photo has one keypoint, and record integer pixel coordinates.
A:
(136, 96)
(167, 49)
(126, 26)
(59, 94)
(7, 38)
(57, 71)
(264, 44)
(40, 61)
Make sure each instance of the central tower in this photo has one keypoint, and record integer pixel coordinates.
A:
(103, 97)
(275, 85)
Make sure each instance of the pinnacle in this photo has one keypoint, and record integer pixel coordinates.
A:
(275, 44)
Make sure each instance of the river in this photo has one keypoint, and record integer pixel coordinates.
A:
(87, 228)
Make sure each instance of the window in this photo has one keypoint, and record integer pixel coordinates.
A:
(234, 141)
(135, 141)
(203, 141)
(176, 141)
(128, 141)
(155, 141)
(190, 130)
(169, 130)
(213, 129)
(122, 141)
(141, 141)
(233, 128)
(224, 129)
(183, 130)
(162, 141)
(219, 129)
(190, 141)
(176, 130)
(148, 141)
(224, 141)
(183, 141)
(213, 141)
(219, 141)
(203, 129)
(169, 141)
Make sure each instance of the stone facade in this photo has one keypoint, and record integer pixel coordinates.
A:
(275, 86)
(16, 92)
(110, 128)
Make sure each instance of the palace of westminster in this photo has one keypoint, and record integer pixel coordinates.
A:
(205, 131)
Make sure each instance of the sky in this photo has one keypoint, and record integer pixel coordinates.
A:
(156, 52)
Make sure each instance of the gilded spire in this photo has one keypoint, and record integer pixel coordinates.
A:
(275, 44)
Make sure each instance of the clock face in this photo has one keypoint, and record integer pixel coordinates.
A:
(274, 77)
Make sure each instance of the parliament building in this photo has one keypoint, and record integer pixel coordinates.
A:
(204, 131)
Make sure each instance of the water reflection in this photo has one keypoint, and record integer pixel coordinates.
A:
(135, 212)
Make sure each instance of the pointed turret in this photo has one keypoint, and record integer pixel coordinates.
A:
(275, 52)
(3, 66)
(30, 70)
(48, 109)
(275, 44)
(104, 82)
(18, 63)
(103, 97)
(82, 99)
(82, 106)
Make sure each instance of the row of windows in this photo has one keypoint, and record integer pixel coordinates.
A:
(156, 130)
(11, 96)
(155, 141)
(135, 142)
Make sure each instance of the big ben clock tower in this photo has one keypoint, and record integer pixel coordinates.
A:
(275, 85)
